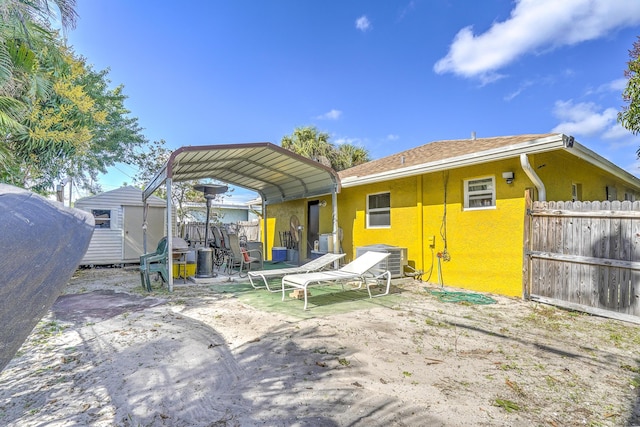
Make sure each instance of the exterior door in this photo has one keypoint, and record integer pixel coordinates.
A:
(133, 236)
(313, 225)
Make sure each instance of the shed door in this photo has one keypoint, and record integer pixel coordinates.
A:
(133, 238)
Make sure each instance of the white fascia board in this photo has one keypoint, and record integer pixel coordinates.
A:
(589, 156)
(530, 147)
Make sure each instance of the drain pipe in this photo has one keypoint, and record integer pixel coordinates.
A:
(526, 166)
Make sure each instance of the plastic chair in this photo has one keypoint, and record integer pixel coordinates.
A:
(155, 262)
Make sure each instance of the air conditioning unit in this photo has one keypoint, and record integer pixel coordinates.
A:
(394, 263)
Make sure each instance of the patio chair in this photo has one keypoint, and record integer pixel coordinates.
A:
(313, 265)
(220, 251)
(155, 262)
(241, 257)
(362, 268)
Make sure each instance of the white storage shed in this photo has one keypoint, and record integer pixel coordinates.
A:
(118, 236)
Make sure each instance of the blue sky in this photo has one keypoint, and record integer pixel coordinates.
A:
(385, 75)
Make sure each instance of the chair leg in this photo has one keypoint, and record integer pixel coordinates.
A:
(386, 275)
(144, 278)
(242, 264)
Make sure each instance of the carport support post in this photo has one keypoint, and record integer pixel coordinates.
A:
(169, 238)
(145, 210)
(265, 242)
(334, 204)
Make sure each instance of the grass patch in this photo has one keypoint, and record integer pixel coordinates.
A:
(507, 405)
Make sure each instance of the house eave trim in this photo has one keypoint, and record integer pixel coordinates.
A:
(530, 147)
(589, 156)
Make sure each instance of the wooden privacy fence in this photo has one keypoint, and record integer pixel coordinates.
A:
(584, 256)
(195, 231)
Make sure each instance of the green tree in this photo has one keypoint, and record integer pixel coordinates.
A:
(629, 117)
(25, 37)
(307, 141)
(57, 115)
(348, 156)
(77, 129)
(115, 139)
(150, 162)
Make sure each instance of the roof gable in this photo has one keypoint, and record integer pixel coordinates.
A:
(437, 151)
(127, 195)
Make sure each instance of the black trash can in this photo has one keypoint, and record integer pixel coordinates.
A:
(204, 263)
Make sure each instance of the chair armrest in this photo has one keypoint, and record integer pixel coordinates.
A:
(250, 251)
(153, 257)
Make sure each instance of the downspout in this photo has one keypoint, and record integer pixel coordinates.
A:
(336, 246)
(526, 166)
(420, 221)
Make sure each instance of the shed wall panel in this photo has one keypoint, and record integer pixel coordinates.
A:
(107, 245)
(105, 248)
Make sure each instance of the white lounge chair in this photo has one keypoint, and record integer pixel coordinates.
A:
(313, 265)
(360, 268)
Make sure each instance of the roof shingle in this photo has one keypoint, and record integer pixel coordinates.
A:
(437, 151)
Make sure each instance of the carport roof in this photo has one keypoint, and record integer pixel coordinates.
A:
(277, 174)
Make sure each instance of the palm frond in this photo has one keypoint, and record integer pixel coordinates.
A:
(11, 111)
(6, 65)
(21, 55)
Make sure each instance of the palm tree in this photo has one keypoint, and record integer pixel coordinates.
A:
(309, 142)
(349, 155)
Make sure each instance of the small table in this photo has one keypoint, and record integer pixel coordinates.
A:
(180, 260)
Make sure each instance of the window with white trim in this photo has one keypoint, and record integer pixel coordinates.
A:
(576, 192)
(480, 193)
(102, 218)
(630, 195)
(379, 210)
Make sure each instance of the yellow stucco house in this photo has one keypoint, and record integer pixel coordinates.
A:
(457, 206)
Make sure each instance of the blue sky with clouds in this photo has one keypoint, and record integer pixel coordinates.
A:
(388, 75)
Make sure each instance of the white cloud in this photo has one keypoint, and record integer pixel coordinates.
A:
(345, 140)
(408, 8)
(634, 168)
(534, 26)
(393, 137)
(617, 131)
(517, 92)
(584, 118)
(618, 85)
(331, 115)
(363, 24)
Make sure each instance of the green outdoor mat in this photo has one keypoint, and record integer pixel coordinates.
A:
(323, 300)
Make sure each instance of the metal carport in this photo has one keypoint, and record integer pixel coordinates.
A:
(275, 173)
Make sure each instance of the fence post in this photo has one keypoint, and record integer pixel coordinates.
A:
(526, 245)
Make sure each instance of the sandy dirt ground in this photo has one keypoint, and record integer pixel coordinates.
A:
(109, 354)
